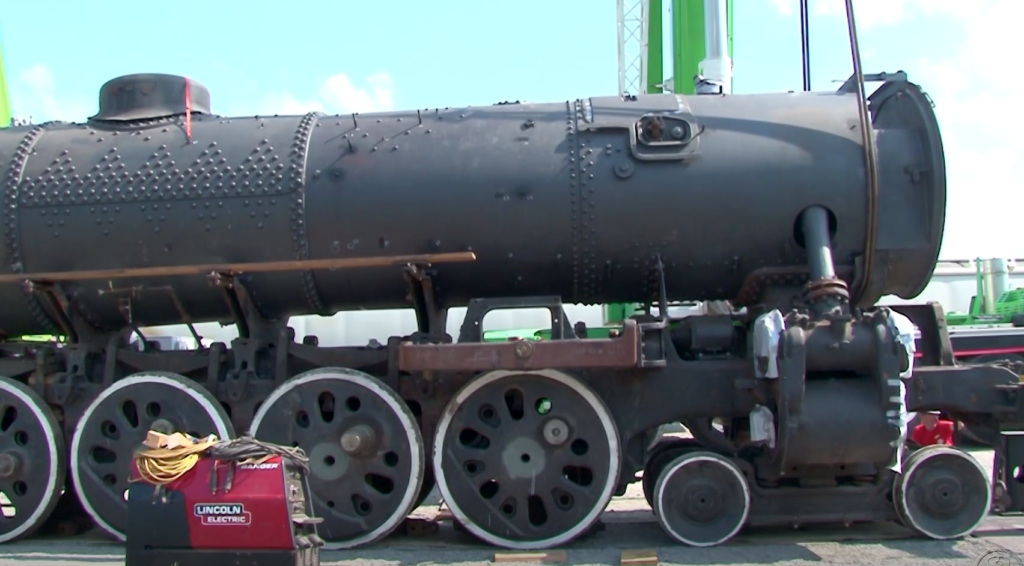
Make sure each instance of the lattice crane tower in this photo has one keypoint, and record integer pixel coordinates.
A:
(633, 38)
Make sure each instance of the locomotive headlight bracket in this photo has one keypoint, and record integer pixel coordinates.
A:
(665, 130)
(661, 137)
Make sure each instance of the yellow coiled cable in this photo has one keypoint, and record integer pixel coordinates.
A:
(162, 466)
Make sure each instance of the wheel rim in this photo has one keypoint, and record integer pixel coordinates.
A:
(664, 452)
(896, 494)
(943, 493)
(100, 453)
(365, 449)
(701, 499)
(32, 461)
(897, 490)
(563, 459)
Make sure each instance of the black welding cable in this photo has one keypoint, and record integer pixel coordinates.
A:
(162, 466)
(248, 448)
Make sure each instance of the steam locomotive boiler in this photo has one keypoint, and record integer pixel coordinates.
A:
(799, 209)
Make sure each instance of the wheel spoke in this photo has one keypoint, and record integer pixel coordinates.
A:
(942, 493)
(701, 499)
(547, 469)
(116, 422)
(366, 453)
(32, 461)
(473, 447)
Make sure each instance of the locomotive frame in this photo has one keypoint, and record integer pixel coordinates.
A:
(529, 440)
(612, 377)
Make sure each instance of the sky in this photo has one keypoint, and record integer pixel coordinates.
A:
(347, 56)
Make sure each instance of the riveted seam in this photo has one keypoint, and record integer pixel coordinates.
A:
(12, 192)
(300, 242)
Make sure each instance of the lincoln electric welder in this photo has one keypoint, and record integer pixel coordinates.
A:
(240, 502)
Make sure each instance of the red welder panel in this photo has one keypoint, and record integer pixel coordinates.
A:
(253, 514)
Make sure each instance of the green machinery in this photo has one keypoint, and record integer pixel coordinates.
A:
(5, 103)
(994, 303)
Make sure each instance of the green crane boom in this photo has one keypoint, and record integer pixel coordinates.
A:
(5, 103)
(688, 52)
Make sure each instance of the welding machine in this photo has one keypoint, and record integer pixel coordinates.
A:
(240, 502)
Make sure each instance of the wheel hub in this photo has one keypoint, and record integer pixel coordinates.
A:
(163, 426)
(665, 450)
(942, 493)
(702, 501)
(701, 498)
(364, 445)
(9, 464)
(358, 440)
(328, 462)
(526, 460)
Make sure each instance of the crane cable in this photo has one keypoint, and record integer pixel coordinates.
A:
(161, 466)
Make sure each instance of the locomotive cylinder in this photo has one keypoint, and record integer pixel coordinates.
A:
(575, 199)
(832, 408)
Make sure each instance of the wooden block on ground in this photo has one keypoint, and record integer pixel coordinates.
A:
(418, 527)
(551, 556)
(640, 557)
(443, 515)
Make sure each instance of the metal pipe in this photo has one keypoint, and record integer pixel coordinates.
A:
(988, 302)
(621, 14)
(1000, 276)
(716, 68)
(979, 279)
(819, 248)
(870, 161)
(805, 44)
(995, 281)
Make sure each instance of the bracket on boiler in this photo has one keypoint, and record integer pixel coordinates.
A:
(430, 317)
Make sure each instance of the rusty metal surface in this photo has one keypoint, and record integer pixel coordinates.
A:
(239, 268)
(621, 352)
(981, 390)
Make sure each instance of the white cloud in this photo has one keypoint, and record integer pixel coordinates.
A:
(976, 94)
(337, 95)
(277, 103)
(976, 100)
(785, 7)
(872, 13)
(34, 94)
(342, 96)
